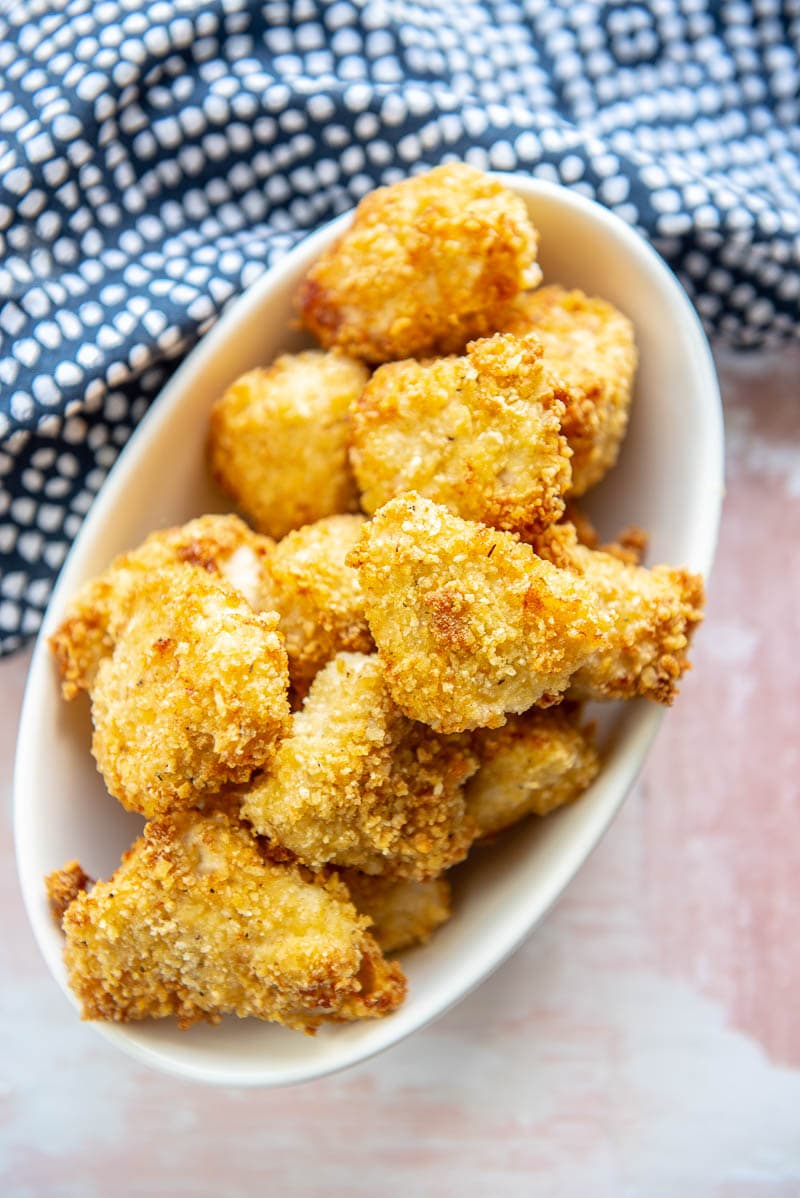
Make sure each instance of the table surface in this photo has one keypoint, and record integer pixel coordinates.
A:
(646, 1039)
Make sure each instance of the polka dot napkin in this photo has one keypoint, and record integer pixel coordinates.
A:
(157, 155)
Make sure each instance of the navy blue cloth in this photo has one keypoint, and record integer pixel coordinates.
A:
(157, 155)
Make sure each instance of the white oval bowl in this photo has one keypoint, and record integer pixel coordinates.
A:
(669, 480)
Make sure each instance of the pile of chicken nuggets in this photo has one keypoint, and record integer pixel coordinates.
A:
(320, 711)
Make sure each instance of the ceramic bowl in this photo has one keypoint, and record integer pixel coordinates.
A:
(669, 480)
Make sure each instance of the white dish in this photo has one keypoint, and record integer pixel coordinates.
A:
(669, 480)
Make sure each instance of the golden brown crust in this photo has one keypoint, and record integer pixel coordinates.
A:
(357, 784)
(278, 440)
(470, 623)
(590, 345)
(318, 597)
(427, 264)
(403, 912)
(64, 885)
(650, 615)
(193, 697)
(536, 763)
(480, 434)
(222, 547)
(197, 922)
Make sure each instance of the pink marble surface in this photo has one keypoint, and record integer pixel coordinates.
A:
(645, 1041)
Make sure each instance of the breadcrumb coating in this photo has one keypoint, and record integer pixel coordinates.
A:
(480, 434)
(64, 885)
(221, 546)
(357, 784)
(650, 616)
(193, 697)
(197, 922)
(278, 440)
(590, 346)
(470, 623)
(403, 912)
(539, 761)
(318, 597)
(427, 264)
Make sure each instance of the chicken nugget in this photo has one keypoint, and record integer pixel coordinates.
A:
(427, 264)
(590, 346)
(650, 617)
(193, 697)
(480, 434)
(539, 761)
(278, 440)
(318, 597)
(470, 623)
(198, 922)
(403, 912)
(221, 546)
(357, 784)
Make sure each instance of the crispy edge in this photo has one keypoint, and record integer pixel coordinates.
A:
(64, 885)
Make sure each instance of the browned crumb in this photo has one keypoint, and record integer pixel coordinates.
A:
(584, 529)
(403, 912)
(63, 887)
(318, 597)
(539, 761)
(197, 922)
(470, 624)
(278, 440)
(84, 637)
(556, 543)
(194, 695)
(426, 265)
(650, 613)
(590, 346)
(221, 546)
(630, 545)
(480, 434)
(358, 784)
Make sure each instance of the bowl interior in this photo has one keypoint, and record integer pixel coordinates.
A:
(669, 480)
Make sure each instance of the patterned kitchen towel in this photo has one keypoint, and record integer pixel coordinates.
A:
(157, 155)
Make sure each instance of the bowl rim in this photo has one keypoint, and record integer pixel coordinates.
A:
(638, 738)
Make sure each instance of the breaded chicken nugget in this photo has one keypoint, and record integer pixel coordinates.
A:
(470, 624)
(318, 597)
(197, 922)
(650, 616)
(278, 440)
(358, 784)
(590, 346)
(426, 265)
(221, 546)
(402, 911)
(480, 434)
(194, 695)
(536, 763)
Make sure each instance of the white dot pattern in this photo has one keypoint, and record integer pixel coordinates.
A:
(156, 156)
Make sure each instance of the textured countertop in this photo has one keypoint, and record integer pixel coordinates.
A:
(645, 1040)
